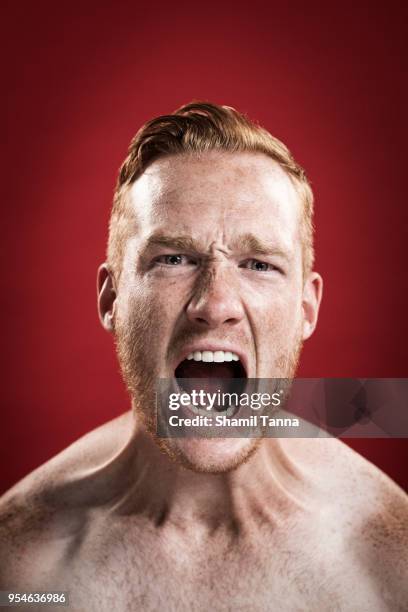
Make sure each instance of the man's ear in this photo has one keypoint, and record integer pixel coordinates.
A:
(312, 296)
(106, 291)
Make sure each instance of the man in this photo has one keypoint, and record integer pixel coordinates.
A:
(210, 260)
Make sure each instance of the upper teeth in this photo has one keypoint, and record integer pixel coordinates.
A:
(217, 356)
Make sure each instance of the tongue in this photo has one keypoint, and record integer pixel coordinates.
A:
(200, 369)
(213, 376)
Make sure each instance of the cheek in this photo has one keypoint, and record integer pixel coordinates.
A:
(278, 321)
(277, 307)
(147, 312)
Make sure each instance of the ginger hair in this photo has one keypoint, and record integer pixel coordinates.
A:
(196, 128)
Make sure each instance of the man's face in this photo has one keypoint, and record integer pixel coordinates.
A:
(213, 262)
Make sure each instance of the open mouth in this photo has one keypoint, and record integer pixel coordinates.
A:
(212, 372)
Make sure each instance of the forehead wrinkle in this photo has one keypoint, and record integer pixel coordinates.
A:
(218, 247)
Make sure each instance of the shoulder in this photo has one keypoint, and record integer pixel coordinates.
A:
(44, 514)
(26, 527)
(382, 538)
(356, 486)
(374, 513)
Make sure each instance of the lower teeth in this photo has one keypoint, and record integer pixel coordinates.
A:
(204, 412)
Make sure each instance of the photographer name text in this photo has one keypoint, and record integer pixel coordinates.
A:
(254, 420)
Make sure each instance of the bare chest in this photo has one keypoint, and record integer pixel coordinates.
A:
(144, 569)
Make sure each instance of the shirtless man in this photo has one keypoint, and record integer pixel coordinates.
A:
(210, 249)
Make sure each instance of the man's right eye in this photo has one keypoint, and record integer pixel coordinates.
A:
(175, 260)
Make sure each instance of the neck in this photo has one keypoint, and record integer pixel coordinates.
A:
(269, 486)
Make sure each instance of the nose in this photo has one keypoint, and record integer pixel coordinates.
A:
(216, 301)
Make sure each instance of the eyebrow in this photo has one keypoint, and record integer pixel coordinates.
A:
(252, 244)
(244, 242)
(175, 242)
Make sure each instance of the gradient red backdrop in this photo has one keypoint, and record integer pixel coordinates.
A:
(80, 78)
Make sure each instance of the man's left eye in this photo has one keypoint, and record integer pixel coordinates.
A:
(257, 265)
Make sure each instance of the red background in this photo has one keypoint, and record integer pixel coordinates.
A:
(78, 81)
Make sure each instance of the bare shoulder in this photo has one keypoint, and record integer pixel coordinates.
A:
(381, 539)
(360, 488)
(373, 512)
(44, 514)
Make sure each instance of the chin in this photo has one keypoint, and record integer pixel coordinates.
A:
(211, 456)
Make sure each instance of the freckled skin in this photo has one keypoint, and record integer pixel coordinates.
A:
(119, 521)
(212, 201)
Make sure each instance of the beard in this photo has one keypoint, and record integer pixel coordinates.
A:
(135, 346)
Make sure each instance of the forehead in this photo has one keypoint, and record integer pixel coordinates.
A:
(216, 194)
